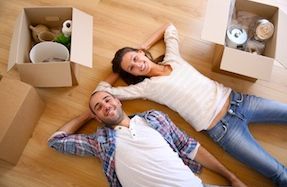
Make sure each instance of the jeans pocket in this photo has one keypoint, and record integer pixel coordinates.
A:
(240, 98)
(218, 132)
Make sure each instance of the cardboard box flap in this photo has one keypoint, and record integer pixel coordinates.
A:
(216, 21)
(14, 45)
(52, 74)
(244, 63)
(50, 16)
(82, 38)
(281, 47)
(21, 108)
(12, 94)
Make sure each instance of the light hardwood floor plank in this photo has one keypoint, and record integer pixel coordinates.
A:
(118, 24)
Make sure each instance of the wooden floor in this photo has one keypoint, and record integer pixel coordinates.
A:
(118, 24)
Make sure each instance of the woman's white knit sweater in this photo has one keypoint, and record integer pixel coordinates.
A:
(195, 97)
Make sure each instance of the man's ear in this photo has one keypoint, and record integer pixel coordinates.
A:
(97, 118)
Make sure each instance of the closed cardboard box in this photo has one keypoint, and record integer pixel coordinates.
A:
(218, 17)
(51, 74)
(20, 109)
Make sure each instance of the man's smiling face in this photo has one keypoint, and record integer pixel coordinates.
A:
(107, 108)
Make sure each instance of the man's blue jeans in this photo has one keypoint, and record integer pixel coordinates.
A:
(233, 135)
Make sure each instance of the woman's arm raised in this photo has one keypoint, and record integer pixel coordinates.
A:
(112, 78)
(155, 37)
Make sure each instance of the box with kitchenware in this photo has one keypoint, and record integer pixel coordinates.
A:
(21, 108)
(48, 43)
(249, 36)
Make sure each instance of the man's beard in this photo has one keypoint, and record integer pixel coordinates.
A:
(110, 123)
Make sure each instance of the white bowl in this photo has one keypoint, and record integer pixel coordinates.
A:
(49, 52)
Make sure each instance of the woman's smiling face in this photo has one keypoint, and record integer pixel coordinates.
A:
(136, 63)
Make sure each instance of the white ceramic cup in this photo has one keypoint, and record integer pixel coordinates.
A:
(49, 52)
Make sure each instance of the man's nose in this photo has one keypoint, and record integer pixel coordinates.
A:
(106, 107)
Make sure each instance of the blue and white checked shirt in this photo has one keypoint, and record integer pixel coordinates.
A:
(102, 143)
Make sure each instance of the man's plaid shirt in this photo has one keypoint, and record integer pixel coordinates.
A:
(102, 143)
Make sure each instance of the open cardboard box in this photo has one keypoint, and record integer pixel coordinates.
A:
(21, 108)
(240, 62)
(52, 74)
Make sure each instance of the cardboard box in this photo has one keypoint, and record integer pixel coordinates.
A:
(52, 74)
(241, 62)
(216, 60)
(21, 108)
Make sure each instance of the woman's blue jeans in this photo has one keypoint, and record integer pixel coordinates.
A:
(233, 135)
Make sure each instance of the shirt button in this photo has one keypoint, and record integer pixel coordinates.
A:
(120, 128)
(134, 135)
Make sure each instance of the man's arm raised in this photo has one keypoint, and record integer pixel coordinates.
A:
(73, 125)
(66, 141)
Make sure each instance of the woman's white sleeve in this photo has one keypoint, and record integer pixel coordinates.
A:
(123, 92)
(171, 42)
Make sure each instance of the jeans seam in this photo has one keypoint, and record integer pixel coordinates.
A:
(237, 102)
